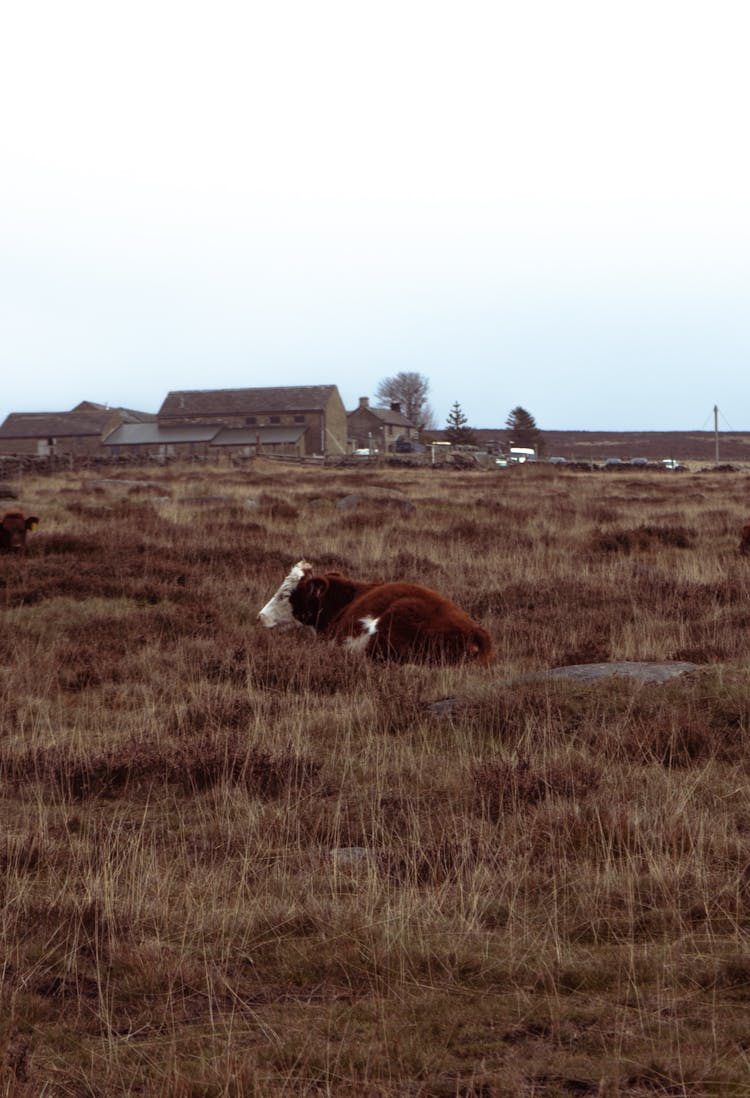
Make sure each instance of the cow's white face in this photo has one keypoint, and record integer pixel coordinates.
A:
(278, 610)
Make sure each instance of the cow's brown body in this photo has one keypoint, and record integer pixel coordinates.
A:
(13, 528)
(745, 539)
(405, 622)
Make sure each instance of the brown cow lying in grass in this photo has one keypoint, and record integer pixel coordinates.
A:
(745, 539)
(13, 529)
(395, 621)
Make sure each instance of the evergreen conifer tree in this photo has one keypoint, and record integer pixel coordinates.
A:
(457, 429)
(523, 431)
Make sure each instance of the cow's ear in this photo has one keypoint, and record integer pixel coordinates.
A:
(317, 586)
(32, 522)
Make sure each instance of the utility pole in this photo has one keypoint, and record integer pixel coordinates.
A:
(716, 431)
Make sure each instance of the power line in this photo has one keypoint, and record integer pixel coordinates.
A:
(716, 411)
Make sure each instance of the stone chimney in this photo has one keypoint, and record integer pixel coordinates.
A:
(396, 406)
(364, 402)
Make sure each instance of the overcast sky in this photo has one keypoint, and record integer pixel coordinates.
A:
(535, 203)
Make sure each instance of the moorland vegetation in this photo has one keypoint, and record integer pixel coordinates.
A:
(236, 862)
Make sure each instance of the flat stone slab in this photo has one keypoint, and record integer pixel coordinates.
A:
(644, 671)
(362, 499)
(444, 707)
(353, 857)
(112, 482)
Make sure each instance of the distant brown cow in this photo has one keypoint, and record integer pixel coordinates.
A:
(745, 539)
(395, 621)
(13, 529)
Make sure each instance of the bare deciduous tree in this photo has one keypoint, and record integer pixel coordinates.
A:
(410, 390)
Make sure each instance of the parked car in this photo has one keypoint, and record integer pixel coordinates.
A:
(519, 455)
(366, 452)
(613, 463)
(557, 461)
(639, 461)
(670, 463)
(408, 446)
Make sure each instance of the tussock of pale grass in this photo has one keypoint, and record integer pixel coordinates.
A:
(238, 862)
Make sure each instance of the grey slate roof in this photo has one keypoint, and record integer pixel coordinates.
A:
(217, 402)
(247, 436)
(386, 415)
(133, 415)
(151, 434)
(55, 424)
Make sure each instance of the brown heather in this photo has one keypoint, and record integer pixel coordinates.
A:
(239, 863)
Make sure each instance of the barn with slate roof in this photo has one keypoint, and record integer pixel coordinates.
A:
(298, 419)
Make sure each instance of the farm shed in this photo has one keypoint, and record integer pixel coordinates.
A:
(76, 433)
(151, 440)
(253, 440)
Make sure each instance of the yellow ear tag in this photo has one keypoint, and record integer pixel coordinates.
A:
(33, 526)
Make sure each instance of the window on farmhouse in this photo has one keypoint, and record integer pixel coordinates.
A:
(250, 420)
(299, 419)
(275, 419)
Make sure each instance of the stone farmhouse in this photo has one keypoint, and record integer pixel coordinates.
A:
(287, 420)
(379, 428)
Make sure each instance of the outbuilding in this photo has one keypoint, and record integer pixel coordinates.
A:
(78, 433)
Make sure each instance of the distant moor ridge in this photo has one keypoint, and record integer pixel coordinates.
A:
(654, 445)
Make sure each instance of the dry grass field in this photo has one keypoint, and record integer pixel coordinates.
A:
(238, 862)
